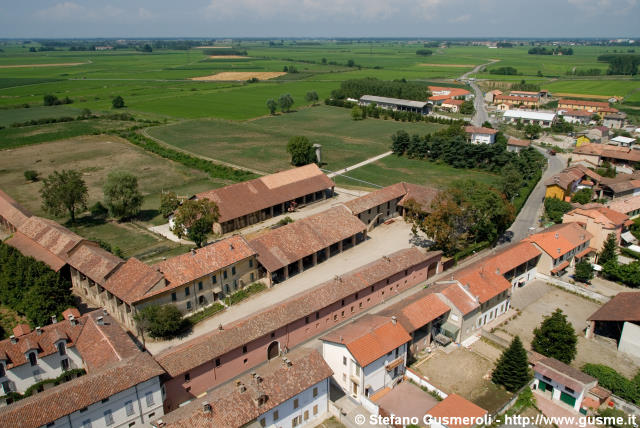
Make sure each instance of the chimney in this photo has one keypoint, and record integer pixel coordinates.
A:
(559, 251)
(206, 407)
(497, 271)
(13, 339)
(105, 312)
(394, 320)
(341, 339)
(220, 327)
(193, 251)
(100, 321)
(38, 330)
(240, 386)
(54, 319)
(160, 423)
(557, 235)
(73, 320)
(231, 246)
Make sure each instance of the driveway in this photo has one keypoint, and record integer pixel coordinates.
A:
(564, 417)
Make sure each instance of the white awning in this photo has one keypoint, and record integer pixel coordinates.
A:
(634, 248)
(628, 237)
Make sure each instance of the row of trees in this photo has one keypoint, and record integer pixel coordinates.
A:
(541, 50)
(355, 88)
(621, 64)
(285, 102)
(506, 71)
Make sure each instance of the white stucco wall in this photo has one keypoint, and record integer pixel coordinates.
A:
(312, 407)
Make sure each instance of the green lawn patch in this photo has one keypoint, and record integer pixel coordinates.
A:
(245, 293)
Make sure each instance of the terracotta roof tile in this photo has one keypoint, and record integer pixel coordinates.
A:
(479, 130)
(287, 244)
(563, 373)
(560, 239)
(517, 142)
(423, 195)
(21, 330)
(132, 280)
(369, 338)
(602, 215)
(623, 307)
(30, 248)
(450, 92)
(232, 407)
(607, 151)
(375, 198)
(418, 310)
(626, 205)
(454, 405)
(453, 102)
(498, 98)
(566, 101)
(11, 211)
(248, 197)
(459, 297)
(93, 261)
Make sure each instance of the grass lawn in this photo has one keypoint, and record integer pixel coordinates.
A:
(9, 116)
(261, 143)
(393, 169)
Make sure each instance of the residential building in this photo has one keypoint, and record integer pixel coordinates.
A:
(121, 388)
(582, 139)
(395, 104)
(253, 201)
(571, 179)
(543, 119)
(452, 105)
(623, 159)
(615, 120)
(561, 245)
(621, 186)
(406, 400)
(12, 215)
(195, 366)
(527, 94)
(456, 408)
(598, 134)
(301, 245)
(628, 206)
(292, 391)
(618, 319)
(367, 355)
(581, 117)
(517, 101)
(517, 145)
(488, 97)
(480, 134)
(439, 94)
(561, 382)
(622, 141)
(380, 205)
(600, 222)
(590, 106)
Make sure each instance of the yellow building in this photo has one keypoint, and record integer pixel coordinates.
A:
(555, 191)
(582, 140)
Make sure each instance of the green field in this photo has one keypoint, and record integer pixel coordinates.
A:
(261, 143)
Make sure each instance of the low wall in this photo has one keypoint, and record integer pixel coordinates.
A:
(422, 381)
(625, 406)
(573, 288)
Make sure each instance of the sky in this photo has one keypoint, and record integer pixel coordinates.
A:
(319, 18)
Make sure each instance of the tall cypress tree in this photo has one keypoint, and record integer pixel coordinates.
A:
(556, 338)
(609, 250)
(512, 369)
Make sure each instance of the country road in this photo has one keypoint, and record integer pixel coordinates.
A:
(481, 116)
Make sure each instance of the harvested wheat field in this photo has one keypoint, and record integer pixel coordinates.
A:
(61, 64)
(448, 65)
(241, 75)
(228, 57)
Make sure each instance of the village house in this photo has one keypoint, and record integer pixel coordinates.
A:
(439, 94)
(590, 106)
(197, 365)
(628, 206)
(565, 183)
(561, 382)
(517, 101)
(615, 120)
(452, 105)
(582, 138)
(301, 245)
(598, 134)
(581, 117)
(544, 119)
(253, 201)
(12, 215)
(489, 96)
(292, 391)
(395, 104)
(367, 355)
(618, 319)
(599, 222)
(456, 408)
(121, 387)
(562, 246)
(624, 159)
(480, 134)
(621, 186)
(517, 145)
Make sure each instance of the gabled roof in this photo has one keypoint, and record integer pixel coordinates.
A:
(198, 263)
(514, 98)
(456, 406)
(369, 338)
(461, 298)
(623, 307)
(560, 239)
(607, 151)
(132, 280)
(575, 113)
(583, 103)
(233, 407)
(250, 196)
(626, 205)
(12, 211)
(403, 191)
(602, 215)
(451, 101)
(94, 262)
(418, 310)
(480, 130)
(287, 244)
(563, 373)
(517, 142)
(422, 195)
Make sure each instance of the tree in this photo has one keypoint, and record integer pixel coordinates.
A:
(467, 108)
(301, 151)
(511, 181)
(532, 130)
(554, 209)
(272, 105)
(98, 210)
(400, 142)
(487, 124)
(312, 97)
(121, 195)
(199, 231)
(64, 191)
(31, 175)
(608, 252)
(147, 48)
(512, 369)
(285, 102)
(118, 102)
(583, 271)
(162, 321)
(351, 63)
(582, 196)
(555, 338)
(50, 100)
(192, 210)
(356, 113)
(169, 202)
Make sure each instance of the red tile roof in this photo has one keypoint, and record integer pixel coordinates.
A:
(607, 151)
(456, 406)
(563, 374)
(423, 195)
(248, 197)
(623, 307)
(596, 104)
(560, 267)
(93, 261)
(418, 310)
(287, 244)
(517, 142)
(458, 296)
(560, 239)
(480, 130)
(11, 211)
(133, 280)
(402, 191)
(453, 102)
(577, 113)
(369, 338)
(206, 348)
(188, 267)
(515, 99)
(602, 215)
(451, 93)
(232, 407)
(625, 206)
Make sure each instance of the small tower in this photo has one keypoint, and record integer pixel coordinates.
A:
(318, 148)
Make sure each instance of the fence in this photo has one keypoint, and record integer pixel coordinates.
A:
(573, 288)
(412, 375)
(625, 406)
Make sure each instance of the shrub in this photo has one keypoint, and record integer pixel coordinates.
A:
(161, 321)
(615, 382)
(98, 210)
(31, 175)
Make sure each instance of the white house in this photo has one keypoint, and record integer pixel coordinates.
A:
(481, 135)
(622, 141)
(528, 116)
(517, 145)
(582, 117)
(367, 355)
(561, 382)
(292, 391)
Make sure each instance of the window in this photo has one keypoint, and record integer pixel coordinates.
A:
(108, 417)
(315, 409)
(315, 392)
(273, 334)
(250, 263)
(188, 305)
(128, 405)
(187, 291)
(548, 379)
(276, 415)
(252, 277)
(131, 424)
(2, 372)
(360, 305)
(356, 296)
(306, 320)
(235, 284)
(317, 315)
(245, 361)
(84, 409)
(149, 397)
(344, 361)
(224, 274)
(244, 349)
(569, 390)
(33, 360)
(65, 364)
(335, 317)
(187, 377)
(295, 403)
(306, 415)
(61, 348)
(214, 279)
(200, 285)
(150, 415)
(6, 387)
(342, 302)
(233, 270)
(86, 423)
(263, 422)
(50, 424)
(105, 400)
(174, 297)
(357, 370)
(217, 362)
(295, 421)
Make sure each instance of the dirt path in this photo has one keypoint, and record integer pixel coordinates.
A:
(60, 64)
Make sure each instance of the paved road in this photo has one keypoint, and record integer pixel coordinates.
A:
(358, 165)
(532, 209)
(481, 116)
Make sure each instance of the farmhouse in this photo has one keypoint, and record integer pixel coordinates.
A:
(380, 205)
(204, 362)
(561, 382)
(395, 104)
(622, 186)
(629, 206)
(600, 222)
(598, 134)
(527, 116)
(249, 202)
(298, 246)
(569, 180)
(515, 101)
(615, 120)
(439, 94)
(590, 106)
(480, 134)
(293, 391)
(367, 355)
(623, 158)
(618, 319)
(582, 117)
(12, 215)
(517, 145)
(452, 105)
(561, 245)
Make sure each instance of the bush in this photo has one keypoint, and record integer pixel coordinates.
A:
(117, 102)
(554, 209)
(31, 175)
(615, 382)
(161, 321)
(98, 210)
(205, 313)
(240, 295)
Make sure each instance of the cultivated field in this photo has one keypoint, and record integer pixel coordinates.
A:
(240, 76)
